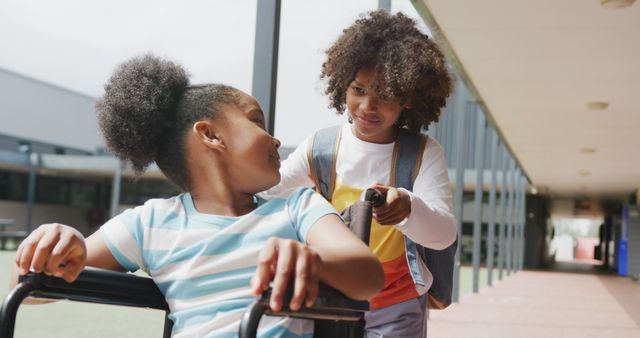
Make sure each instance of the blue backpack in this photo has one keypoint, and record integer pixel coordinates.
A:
(407, 158)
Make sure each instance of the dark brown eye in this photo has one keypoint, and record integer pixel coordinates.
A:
(259, 121)
(357, 90)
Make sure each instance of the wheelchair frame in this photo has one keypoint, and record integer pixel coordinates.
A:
(118, 288)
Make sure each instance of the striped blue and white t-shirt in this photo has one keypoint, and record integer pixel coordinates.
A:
(203, 263)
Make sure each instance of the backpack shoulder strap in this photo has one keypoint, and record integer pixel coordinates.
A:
(407, 158)
(321, 155)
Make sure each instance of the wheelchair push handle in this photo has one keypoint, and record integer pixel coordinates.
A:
(375, 197)
(358, 216)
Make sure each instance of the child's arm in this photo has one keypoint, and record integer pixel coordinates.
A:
(60, 250)
(397, 206)
(54, 249)
(347, 263)
(99, 255)
(333, 255)
(425, 214)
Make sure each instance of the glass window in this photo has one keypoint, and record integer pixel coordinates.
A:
(52, 190)
(13, 186)
(138, 191)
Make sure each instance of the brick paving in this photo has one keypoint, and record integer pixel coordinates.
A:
(544, 304)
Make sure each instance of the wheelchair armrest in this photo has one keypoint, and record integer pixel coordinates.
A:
(330, 304)
(101, 286)
(92, 285)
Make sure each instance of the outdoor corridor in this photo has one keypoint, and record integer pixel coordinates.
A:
(545, 304)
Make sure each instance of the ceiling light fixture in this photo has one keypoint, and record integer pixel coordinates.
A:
(597, 105)
(588, 150)
(616, 3)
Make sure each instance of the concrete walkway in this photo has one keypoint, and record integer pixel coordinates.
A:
(544, 305)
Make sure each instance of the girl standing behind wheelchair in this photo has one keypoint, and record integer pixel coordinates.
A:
(216, 246)
(392, 79)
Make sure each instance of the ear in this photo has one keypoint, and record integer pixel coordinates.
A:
(206, 133)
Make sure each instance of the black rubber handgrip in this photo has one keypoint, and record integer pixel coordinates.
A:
(374, 196)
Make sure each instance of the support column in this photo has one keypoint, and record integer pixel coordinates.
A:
(477, 219)
(265, 59)
(461, 154)
(516, 221)
(492, 206)
(523, 221)
(502, 210)
(448, 135)
(116, 188)
(510, 204)
(34, 165)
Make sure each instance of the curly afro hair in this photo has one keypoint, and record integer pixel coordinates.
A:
(147, 108)
(408, 65)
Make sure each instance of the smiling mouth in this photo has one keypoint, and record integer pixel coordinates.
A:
(367, 121)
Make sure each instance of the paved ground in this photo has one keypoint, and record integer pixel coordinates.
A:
(545, 305)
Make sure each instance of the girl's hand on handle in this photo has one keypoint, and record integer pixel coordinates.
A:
(396, 208)
(277, 261)
(55, 249)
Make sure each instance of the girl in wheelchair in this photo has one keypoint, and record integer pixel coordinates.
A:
(217, 245)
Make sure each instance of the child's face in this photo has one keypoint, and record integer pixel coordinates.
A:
(252, 157)
(373, 117)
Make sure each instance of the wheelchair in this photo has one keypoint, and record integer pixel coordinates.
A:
(334, 314)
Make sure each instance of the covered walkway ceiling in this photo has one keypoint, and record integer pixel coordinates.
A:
(536, 64)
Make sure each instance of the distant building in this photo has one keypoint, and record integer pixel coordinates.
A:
(53, 163)
(45, 117)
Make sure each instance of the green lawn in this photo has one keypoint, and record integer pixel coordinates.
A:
(67, 319)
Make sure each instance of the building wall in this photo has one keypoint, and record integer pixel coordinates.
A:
(82, 202)
(38, 111)
(46, 213)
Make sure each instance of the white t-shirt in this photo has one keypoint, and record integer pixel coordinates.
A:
(360, 164)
